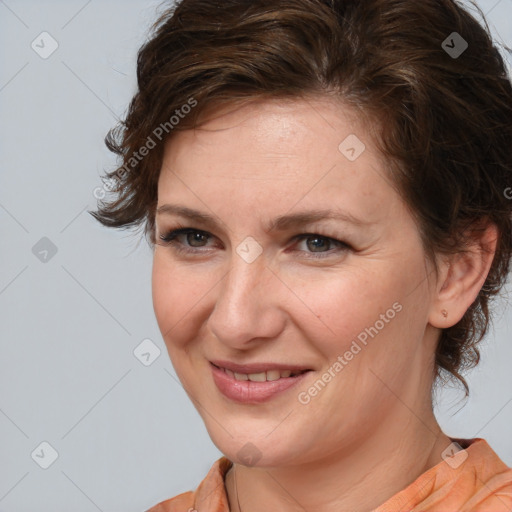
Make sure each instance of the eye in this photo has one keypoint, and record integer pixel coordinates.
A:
(186, 239)
(195, 241)
(321, 246)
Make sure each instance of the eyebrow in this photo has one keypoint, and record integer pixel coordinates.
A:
(281, 223)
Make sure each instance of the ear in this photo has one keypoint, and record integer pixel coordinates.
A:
(461, 277)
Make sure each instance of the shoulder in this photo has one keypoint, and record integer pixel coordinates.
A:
(493, 481)
(209, 495)
(473, 479)
(182, 503)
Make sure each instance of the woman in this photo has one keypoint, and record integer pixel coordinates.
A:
(323, 186)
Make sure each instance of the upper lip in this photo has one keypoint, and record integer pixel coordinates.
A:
(257, 367)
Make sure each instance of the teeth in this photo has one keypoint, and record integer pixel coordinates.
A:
(271, 375)
(257, 377)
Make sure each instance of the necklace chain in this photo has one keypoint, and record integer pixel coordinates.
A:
(236, 492)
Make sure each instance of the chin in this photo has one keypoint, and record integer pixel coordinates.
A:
(257, 451)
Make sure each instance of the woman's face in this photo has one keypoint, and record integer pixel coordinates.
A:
(354, 312)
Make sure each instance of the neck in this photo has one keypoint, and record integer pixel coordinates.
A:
(359, 479)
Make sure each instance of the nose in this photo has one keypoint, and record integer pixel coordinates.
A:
(249, 305)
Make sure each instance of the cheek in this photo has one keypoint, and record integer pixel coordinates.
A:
(342, 304)
(163, 294)
(176, 291)
(361, 304)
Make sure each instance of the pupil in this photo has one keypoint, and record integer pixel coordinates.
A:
(192, 238)
(319, 244)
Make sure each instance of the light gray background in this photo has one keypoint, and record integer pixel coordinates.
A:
(126, 434)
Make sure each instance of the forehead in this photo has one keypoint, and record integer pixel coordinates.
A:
(275, 154)
(273, 129)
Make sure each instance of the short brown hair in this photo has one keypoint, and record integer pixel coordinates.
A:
(445, 118)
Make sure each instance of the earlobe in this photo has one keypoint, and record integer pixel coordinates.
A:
(461, 278)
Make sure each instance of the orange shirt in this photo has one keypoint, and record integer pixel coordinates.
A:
(472, 480)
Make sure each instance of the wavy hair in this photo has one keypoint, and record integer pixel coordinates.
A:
(427, 73)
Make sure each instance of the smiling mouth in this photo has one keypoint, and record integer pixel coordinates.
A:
(255, 383)
(269, 375)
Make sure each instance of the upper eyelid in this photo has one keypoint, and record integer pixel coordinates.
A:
(185, 230)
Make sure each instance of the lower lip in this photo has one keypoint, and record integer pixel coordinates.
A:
(248, 392)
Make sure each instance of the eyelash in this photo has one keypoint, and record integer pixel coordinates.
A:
(169, 239)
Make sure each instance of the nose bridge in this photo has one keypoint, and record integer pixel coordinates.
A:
(246, 302)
